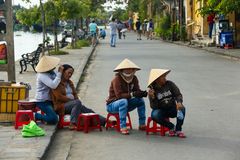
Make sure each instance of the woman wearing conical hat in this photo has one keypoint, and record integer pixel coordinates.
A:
(125, 95)
(47, 79)
(166, 101)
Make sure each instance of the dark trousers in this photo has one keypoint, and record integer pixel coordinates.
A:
(210, 27)
(119, 34)
(160, 115)
(49, 114)
(75, 107)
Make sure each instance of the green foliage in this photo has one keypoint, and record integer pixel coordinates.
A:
(53, 11)
(71, 9)
(184, 34)
(57, 52)
(223, 6)
(143, 9)
(29, 16)
(120, 14)
(80, 44)
(134, 5)
(165, 29)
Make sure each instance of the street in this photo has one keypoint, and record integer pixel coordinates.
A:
(210, 87)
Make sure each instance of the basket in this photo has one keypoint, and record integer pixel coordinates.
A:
(9, 96)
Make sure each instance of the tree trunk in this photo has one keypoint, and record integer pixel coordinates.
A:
(43, 26)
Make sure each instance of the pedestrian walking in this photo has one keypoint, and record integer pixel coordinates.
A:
(125, 95)
(119, 28)
(150, 29)
(210, 20)
(47, 79)
(93, 28)
(166, 101)
(139, 29)
(144, 28)
(66, 101)
(124, 30)
(130, 23)
(113, 32)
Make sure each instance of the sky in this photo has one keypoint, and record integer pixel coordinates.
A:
(33, 2)
(109, 6)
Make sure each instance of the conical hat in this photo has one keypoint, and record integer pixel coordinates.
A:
(155, 73)
(126, 63)
(47, 63)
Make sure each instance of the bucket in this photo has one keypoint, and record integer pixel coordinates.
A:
(3, 52)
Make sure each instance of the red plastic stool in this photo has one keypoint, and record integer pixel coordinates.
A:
(62, 123)
(20, 113)
(26, 105)
(86, 118)
(156, 127)
(117, 125)
(29, 105)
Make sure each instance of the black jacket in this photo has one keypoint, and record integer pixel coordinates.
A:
(165, 96)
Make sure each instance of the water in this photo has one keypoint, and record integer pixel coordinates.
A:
(27, 42)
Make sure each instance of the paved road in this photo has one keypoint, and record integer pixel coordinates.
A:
(211, 90)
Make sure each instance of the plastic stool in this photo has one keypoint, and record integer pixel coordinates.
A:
(62, 123)
(29, 105)
(156, 127)
(117, 125)
(228, 46)
(20, 113)
(86, 118)
(26, 105)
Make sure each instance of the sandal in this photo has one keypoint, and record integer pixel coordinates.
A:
(171, 133)
(142, 127)
(124, 131)
(180, 134)
(72, 127)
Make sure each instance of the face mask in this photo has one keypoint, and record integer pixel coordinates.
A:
(127, 74)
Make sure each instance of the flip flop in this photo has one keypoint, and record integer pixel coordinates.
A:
(142, 128)
(124, 131)
(72, 127)
(180, 134)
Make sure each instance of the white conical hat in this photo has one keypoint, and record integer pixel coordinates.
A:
(126, 63)
(155, 73)
(47, 63)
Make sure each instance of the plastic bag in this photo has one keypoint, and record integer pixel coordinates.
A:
(32, 130)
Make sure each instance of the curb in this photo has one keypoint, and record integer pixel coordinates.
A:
(79, 70)
(205, 49)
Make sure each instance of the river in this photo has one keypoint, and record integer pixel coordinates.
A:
(26, 42)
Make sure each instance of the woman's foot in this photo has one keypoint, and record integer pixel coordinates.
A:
(171, 133)
(72, 126)
(180, 134)
(124, 131)
(142, 127)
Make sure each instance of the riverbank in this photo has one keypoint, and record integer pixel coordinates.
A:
(27, 42)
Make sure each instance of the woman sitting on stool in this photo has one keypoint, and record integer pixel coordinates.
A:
(66, 101)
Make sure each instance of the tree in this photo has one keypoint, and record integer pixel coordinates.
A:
(221, 7)
(29, 16)
(43, 22)
(53, 9)
(72, 11)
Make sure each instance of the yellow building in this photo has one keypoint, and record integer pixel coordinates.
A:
(197, 25)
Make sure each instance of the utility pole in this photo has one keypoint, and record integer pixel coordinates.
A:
(180, 3)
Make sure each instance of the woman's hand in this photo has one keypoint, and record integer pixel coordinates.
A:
(179, 105)
(60, 69)
(151, 93)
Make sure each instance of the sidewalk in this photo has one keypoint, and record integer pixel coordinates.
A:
(231, 53)
(12, 144)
